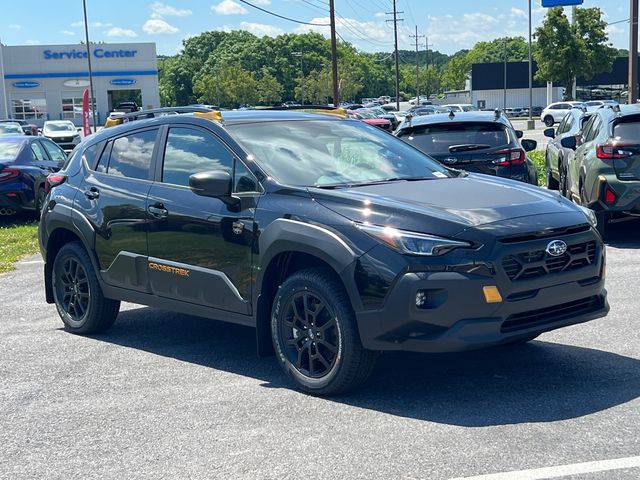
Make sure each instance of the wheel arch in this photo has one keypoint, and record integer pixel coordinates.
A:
(290, 246)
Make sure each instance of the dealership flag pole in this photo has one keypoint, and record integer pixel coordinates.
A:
(86, 34)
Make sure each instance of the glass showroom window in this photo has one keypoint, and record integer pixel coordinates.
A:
(29, 109)
(72, 106)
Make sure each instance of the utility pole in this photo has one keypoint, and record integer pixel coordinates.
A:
(632, 90)
(334, 55)
(531, 124)
(300, 54)
(504, 80)
(395, 46)
(416, 36)
(86, 36)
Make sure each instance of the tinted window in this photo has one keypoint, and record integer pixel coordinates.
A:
(243, 180)
(38, 152)
(55, 152)
(9, 150)
(190, 151)
(627, 132)
(92, 154)
(563, 126)
(571, 121)
(131, 155)
(436, 139)
(587, 129)
(595, 129)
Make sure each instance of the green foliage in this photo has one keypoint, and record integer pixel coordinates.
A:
(513, 49)
(228, 85)
(455, 73)
(538, 158)
(565, 51)
(18, 238)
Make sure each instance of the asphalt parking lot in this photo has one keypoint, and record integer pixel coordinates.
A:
(168, 396)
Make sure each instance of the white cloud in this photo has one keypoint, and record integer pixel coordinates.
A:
(67, 32)
(157, 26)
(262, 2)
(121, 32)
(33, 42)
(229, 7)
(160, 10)
(92, 24)
(376, 33)
(15, 26)
(517, 12)
(260, 29)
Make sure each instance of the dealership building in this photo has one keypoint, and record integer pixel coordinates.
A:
(46, 82)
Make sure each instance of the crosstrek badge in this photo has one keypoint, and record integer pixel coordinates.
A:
(183, 272)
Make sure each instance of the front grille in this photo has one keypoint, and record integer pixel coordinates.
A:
(553, 232)
(62, 139)
(538, 263)
(548, 315)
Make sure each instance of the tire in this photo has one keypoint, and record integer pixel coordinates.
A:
(38, 202)
(552, 183)
(603, 220)
(562, 183)
(549, 121)
(315, 336)
(77, 294)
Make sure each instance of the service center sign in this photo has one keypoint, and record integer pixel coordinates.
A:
(79, 54)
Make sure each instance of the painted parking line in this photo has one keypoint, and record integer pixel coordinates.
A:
(30, 262)
(561, 470)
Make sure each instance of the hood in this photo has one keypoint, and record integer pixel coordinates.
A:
(450, 206)
(61, 134)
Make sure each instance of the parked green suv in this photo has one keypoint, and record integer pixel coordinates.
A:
(604, 171)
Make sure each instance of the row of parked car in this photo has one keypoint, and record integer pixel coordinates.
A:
(593, 158)
(27, 157)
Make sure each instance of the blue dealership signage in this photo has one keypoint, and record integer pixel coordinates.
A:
(122, 81)
(26, 84)
(561, 3)
(79, 54)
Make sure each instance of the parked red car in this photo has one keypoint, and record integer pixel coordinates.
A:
(371, 119)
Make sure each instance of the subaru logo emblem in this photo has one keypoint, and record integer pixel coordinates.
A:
(450, 160)
(556, 248)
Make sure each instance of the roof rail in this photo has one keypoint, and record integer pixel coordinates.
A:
(338, 111)
(118, 118)
(497, 112)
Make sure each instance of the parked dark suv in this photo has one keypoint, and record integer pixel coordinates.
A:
(481, 142)
(333, 238)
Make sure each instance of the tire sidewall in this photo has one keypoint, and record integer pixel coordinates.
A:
(285, 293)
(70, 251)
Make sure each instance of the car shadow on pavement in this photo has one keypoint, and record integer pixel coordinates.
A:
(536, 382)
(623, 234)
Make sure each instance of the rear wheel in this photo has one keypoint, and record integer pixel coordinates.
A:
(77, 293)
(314, 334)
(552, 183)
(601, 217)
(549, 121)
(40, 197)
(562, 183)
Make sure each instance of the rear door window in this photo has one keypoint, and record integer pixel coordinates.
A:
(437, 139)
(131, 155)
(38, 152)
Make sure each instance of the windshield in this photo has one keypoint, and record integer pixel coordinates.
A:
(9, 150)
(59, 127)
(436, 139)
(10, 129)
(323, 153)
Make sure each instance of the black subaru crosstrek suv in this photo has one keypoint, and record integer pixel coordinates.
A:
(335, 240)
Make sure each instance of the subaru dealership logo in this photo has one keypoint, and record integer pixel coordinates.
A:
(556, 248)
(122, 81)
(26, 84)
(450, 160)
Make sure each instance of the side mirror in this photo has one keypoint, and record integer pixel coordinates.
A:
(529, 145)
(519, 133)
(550, 132)
(216, 183)
(569, 142)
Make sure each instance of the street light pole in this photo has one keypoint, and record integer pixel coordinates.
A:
(299, 54)
(530, 123)
(632, 90)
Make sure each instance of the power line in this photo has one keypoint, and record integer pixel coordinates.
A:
(417, 37)
(325, 10)
(283, 17)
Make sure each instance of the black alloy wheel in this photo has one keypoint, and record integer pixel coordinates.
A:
(40, 197)
(77, 293)
(562, 183)
(310, 333)
(315, 336)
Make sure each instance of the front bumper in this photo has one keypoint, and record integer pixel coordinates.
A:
(456, 316)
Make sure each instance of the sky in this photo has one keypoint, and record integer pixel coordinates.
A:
(448, 25)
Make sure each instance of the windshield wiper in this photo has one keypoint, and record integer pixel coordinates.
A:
(465, 147)
(372, 182)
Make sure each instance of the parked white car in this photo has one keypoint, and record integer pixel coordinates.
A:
(593, 105)
(460, 107)
(555, 112)
(62, 132)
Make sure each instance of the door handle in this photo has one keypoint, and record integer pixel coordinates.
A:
(92, 193)
(158, 210)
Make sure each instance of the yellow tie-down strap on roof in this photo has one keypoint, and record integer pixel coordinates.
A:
(215, 115)
(338, 112)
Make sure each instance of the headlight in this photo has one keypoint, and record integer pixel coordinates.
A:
(411, 242)
(590, 214)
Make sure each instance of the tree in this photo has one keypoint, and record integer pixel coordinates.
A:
(454, 75)
(565, 52)
(227, 86)
(269, 89)
(515, 49)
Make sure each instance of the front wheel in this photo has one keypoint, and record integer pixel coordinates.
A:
(315, 336)
(552, 183)
(549, 121)
(77, 293)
